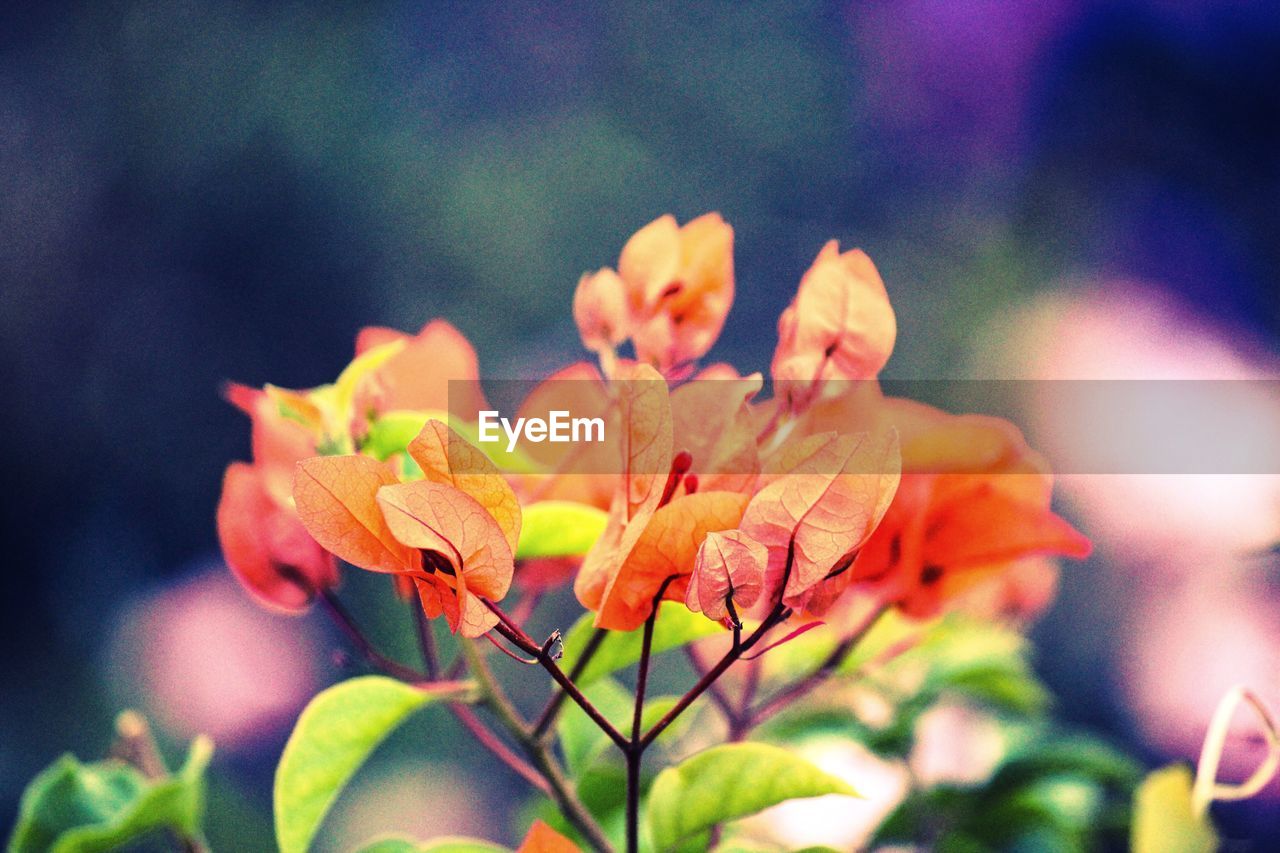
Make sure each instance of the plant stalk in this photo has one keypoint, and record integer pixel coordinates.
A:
(552, 710)
(562, 792)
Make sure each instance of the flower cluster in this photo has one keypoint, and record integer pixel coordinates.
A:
(827, 492)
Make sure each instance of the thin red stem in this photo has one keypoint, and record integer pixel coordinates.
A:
(779, 613)
(499, 749)
(347, 624)
(542, 654)
(508, 652)
(634, 753)
(810, 682)
(803, 629)
(548, 716)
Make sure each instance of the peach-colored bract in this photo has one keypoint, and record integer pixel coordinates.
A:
(417, 377)
(840, 325)
(973, 502)
(450, 544)
(670, 294)
(728, 571)
(266, 546)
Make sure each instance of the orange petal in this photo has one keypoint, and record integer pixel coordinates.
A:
(644, 412)
(437, 517)
(728, 565)
(994, 526)
(650, 261)
(840, 325)
(667, 547)
(337, 503)
(711, 420)
(544, 839)
(644, 418)
(680, 286)
(446, 457)
(375, 336)
(600, 310)
(279, 442)
(418, 377)
(437, 599)
(258, 538)
(815, 518)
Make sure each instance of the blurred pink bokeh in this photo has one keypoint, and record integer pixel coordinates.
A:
(209, 660)
(1194, 545)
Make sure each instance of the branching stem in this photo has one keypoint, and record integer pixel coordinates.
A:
(779, 613)
(346, 623)
(561, 789)
(548, 716)
(802, 687)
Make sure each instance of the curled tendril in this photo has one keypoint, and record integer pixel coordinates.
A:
(1206, 788)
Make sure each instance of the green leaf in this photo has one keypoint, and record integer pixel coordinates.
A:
(581, 739)
(332, 738)
(85, 808)
(1163, 820)
(677, 626)
(559, 529)
(727, 782)
(391, 845)
(438, 845)
(981, 660)
(391, 433)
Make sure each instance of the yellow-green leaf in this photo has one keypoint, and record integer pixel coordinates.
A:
(727, 782)
(332, 738)
(559, 529)
(1163, 820)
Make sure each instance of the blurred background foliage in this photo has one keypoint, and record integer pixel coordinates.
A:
(194, 192)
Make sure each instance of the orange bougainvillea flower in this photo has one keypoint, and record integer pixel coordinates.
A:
(712, 422)
(974, 501)
(839, 326)
(679, 287)
(713, 432)
(674, 285)
(600, 310)
(446, 457)
(666, 548)
(472, 555)
(266, 546)
(262, 540)
(544, 839)
(417, 376)
(278, 441)
(453, 532)
(643, 408)
(728, 571)
(817, 508)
